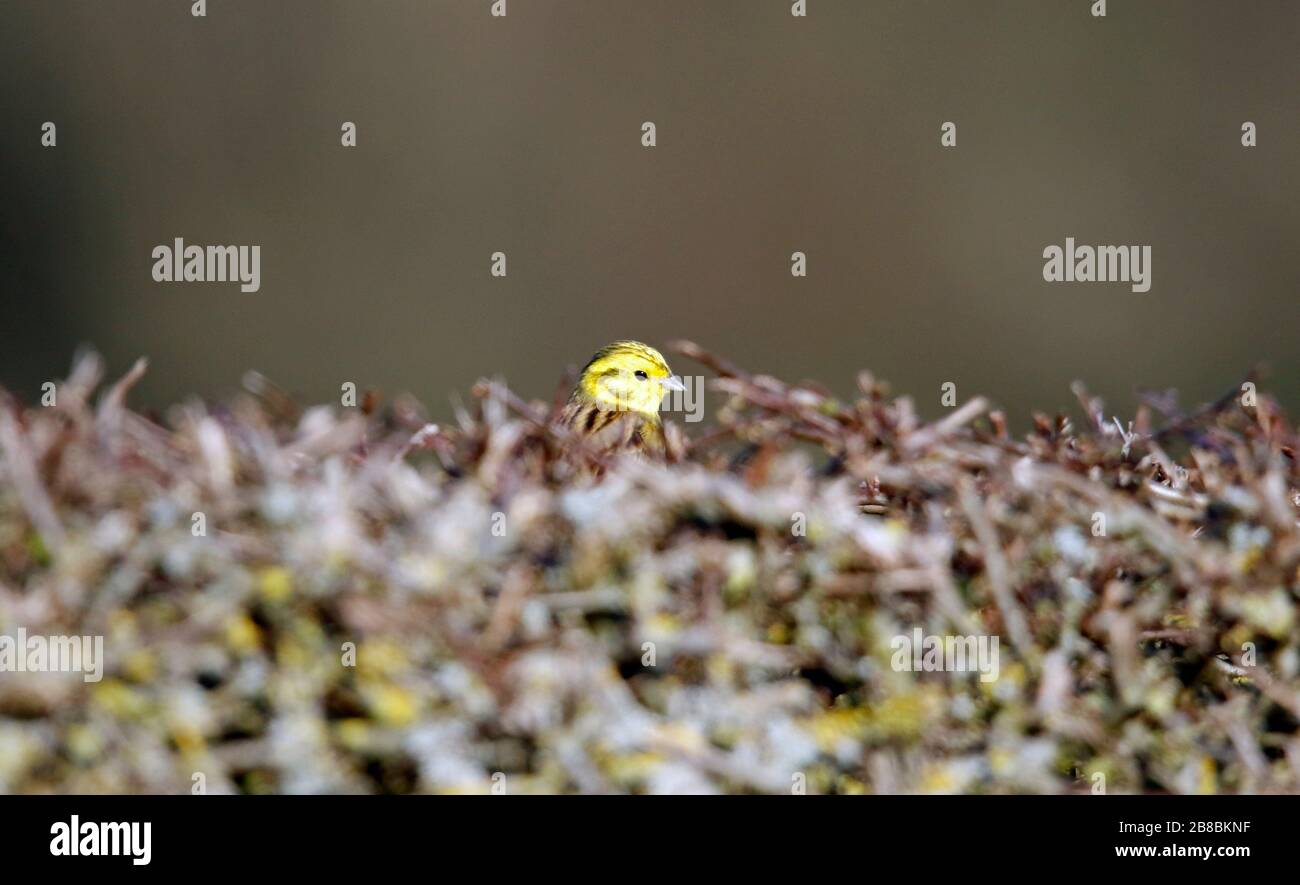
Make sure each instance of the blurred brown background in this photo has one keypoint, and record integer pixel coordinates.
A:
(775, 134)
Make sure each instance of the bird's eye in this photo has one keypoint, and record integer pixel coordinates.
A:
(640, 373)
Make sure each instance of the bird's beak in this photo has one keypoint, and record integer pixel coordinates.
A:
(672, 382)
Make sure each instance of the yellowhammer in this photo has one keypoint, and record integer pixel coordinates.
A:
(615, 406)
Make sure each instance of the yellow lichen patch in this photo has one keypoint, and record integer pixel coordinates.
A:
(122, 625)
(839, 724)
(1207, 782)
(1001, 761)
(188, 740)
(1010, 681)
(83, 742)
(259, 783)
(850, 786)
(354, 734)
(1244, 561)
(275, 584)
(242, 635)
(631, 768)
(742, 572)
(1232, 641)
(381, 659)
(461, 788)
(721, 669)
(118, 699)
(390, 704)
(680, 735)
(140, 666)
(37, 549)
(941, 779)
(662, 624)
(907, 715)
(1161, 700)
(1272, 612)
(291, 653)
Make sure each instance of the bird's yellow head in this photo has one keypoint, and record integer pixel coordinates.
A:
(627, 376)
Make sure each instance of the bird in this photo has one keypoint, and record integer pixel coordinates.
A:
(614, 408)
